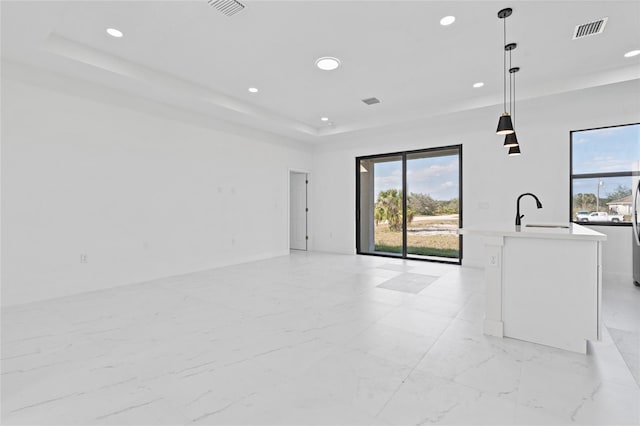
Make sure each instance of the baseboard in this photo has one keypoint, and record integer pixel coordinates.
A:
(472, 263)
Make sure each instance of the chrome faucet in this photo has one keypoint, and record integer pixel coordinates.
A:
(518, 216)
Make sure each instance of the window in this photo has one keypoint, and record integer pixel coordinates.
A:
(408, 204)
(605, 166)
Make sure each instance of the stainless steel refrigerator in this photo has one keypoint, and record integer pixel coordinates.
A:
(635, 219)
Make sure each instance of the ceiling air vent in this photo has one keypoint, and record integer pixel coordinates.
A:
(590, 28)
(371, 101)
(228, 7)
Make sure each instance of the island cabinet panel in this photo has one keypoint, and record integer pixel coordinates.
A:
(543, 283)
(551, 291)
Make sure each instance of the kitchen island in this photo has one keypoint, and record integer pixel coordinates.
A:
(543, 283)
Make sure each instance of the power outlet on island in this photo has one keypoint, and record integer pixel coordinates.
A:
(493, 260)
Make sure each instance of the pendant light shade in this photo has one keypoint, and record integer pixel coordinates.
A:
(510, 140)
(514, 150)
(505, 126)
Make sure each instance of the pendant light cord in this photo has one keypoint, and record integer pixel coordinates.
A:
(510, 90)
(514, 97)
(504, 64)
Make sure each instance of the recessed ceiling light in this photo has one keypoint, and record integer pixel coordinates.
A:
(478, 84)
(328, 63)
(324, 119)
(632, 54)
(447, 20)
(253, 90)
(114, 32)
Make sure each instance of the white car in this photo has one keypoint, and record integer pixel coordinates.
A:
(582, 216)
(598, 217)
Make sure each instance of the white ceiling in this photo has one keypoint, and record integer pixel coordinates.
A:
(187, 54)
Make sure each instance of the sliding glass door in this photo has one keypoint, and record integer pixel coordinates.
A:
(433, 188)
(381, 215)
(408, 204)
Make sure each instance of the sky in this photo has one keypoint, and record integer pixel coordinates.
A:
(607, 185)
(435, 176)
(606, 150)
(613, 149)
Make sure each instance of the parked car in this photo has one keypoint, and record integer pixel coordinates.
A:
(580, 216)
(599, 217)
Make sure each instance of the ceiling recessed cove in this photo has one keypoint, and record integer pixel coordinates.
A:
(371, 101)
(590, 28)
(328, 63)
(227, 7)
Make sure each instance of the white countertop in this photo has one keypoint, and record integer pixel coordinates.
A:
(573, 231)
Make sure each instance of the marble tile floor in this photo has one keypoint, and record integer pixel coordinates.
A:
(303, 339)
(621, 306)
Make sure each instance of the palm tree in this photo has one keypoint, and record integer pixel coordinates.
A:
(389, 208)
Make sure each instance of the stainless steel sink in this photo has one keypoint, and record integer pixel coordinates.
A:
(532, 225)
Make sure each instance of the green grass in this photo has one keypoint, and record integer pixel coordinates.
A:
(421, 251)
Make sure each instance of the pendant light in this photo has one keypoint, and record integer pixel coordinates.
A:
(505, 126)
(511, 139)
(514, 150)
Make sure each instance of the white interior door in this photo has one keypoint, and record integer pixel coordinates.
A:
(298, 211)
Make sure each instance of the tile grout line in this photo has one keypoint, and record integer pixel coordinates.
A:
(413, 369)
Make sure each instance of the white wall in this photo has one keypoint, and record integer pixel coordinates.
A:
(491, 180)
(163, 192)
(143, 195)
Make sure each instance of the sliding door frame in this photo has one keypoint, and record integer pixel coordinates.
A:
(403, 155)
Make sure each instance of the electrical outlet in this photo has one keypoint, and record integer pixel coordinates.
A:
(84, 258)
(493, 260)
